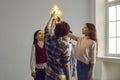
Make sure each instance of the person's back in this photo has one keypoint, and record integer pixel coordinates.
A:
(57, 57)
(72, 58)
(58, 66)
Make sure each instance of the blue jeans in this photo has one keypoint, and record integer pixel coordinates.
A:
(83, 70)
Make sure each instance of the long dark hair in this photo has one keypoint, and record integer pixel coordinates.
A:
(35, 35)
(92, 32)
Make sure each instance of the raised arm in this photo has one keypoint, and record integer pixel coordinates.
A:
(73, 36)
(50, 22)
(48, 28)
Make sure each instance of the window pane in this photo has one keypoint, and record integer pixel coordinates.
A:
(112, 45)
(118, 12)
(118, 28)
(112, 29)
(118, 45)
(112, 13)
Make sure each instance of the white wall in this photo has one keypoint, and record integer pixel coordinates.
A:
(18, 21)
(108, 68)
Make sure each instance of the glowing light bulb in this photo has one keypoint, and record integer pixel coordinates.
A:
(57, 11)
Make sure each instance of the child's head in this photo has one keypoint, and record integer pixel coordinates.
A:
(89, 30)
(38, 36)
(62, 29)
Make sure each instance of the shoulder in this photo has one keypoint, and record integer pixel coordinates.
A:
(33, 46)
(89, 40)
(64, 44)
(93, 43)
(79, 38)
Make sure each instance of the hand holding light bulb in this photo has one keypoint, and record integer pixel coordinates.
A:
(57, 11)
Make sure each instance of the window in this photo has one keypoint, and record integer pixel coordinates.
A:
(113, 22)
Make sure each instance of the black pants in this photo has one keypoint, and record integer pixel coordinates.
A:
(40, 74)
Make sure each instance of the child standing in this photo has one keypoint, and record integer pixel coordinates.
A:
(72, 59)
(86, 51)
(38, 56)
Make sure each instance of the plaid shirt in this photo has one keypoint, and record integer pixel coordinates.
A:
(58, 54)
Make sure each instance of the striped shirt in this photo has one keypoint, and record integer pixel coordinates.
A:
(58, 54)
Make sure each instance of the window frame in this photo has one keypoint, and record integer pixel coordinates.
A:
(108, 4)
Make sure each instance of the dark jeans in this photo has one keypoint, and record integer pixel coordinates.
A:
(83, 70)
(40, 74)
